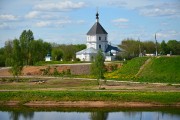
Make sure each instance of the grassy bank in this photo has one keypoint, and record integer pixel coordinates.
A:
(147, 97)
(163, 69)
(157, 70)
(128, 70)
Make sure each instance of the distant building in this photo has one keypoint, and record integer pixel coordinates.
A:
(97, 39)
(48, 57)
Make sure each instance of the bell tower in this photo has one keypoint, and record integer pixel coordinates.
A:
(97, 37)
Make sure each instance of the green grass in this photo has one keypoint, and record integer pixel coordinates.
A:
(128, 70)
(152, 97)
(158, 70)
(34, 84)
(163, 69)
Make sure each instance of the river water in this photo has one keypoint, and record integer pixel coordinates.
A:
(89, 114)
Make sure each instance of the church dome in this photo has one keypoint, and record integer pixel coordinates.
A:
(97, 28)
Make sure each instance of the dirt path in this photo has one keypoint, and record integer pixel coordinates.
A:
(142, 67)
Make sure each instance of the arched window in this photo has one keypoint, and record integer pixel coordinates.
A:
(99, 46)
(99, 38)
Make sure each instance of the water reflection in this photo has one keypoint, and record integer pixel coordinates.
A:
(98, 116)
(93, 115)
(24, 115)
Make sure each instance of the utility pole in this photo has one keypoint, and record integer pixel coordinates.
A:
(156, 45)
(140, 54)
(156, 42)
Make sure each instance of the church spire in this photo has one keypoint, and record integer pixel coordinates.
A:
(97, 16)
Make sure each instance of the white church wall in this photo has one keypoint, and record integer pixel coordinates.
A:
(110, 58)
(89, 45)
(86, 57)
(91, 38)
(101, 40)
(81, 57)
(47, 58)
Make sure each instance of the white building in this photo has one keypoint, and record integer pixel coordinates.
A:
(48, 57)
(97, 39)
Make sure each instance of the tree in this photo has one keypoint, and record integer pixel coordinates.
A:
(131, 48)
(2, 57)
(174, 47)
(98, 67)
(57, 54)
(17, 61)
(164, 48)
(149, 47)
(69, 51)
(26, 38)
(8, 52)
(39, 49)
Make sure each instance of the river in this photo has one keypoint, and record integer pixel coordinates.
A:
(89, 114)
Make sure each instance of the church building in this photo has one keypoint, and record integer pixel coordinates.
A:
(97, 39)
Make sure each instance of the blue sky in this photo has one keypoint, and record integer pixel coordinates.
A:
(68, 21)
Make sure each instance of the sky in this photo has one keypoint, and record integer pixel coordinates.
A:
(68, 21)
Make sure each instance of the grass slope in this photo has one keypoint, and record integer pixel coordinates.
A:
(128, 70)
(162, 69)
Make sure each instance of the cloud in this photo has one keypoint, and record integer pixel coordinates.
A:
(8, 17)
(4, 25)
(161, 9)
(53, 23)
(32, 14)
(60, 22)
(157, 12)
(118, 3)
(167, 34)
(80, 21)
(41, 15)
(129, 4)
(120, 20)
(150, 8)
(60, 6)
(43, 24)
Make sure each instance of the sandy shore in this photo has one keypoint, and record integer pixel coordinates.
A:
(86, 104)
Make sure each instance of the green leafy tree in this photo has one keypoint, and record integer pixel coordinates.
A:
(8, 52)
(98, 67)
(2, 57)
(174, 46)
(39, 49)
(149, 47)
(164, 48)
(57, 54)
(68, 51)
(131, 48)
(26, 38)
(17, 61)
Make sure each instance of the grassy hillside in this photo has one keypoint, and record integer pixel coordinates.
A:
(163, 69)
(128, 70)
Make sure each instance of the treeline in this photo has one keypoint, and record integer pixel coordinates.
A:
(30, 51)
(25, 49)
(134, 48)
(66, 52)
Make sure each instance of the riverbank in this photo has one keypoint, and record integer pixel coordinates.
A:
(87, 104)
(89, 98)
(63, 92)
